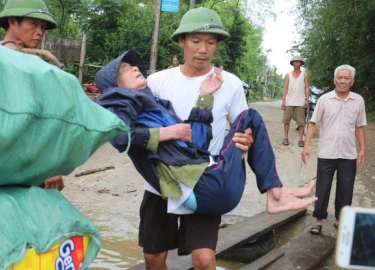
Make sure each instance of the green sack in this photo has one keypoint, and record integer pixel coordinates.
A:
(39, 218)
(48, 125)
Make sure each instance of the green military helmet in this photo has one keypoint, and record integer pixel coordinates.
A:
(36, 9)
(297, 58)
(201, 20)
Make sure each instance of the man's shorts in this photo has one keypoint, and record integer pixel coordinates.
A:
(299, 111)
(160, 231)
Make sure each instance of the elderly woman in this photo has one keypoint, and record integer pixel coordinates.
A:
(172, 155)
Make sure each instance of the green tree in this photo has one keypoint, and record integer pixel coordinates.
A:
(241, 54)
(114, 26)
(2, 31)
(167, 48)
(336, 32)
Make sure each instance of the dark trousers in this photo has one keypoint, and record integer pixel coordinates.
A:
(346, 170)
(220, 188)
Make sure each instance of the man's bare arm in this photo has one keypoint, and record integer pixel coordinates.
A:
(307, 89)
(306, 149)
(285, 90)
(360, 134)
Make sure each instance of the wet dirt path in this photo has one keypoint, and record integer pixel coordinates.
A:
(111, 198)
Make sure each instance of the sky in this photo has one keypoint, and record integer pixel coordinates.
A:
(279, 35)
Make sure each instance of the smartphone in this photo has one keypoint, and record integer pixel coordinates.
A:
(355, 246)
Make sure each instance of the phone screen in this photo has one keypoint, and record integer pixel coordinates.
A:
(363, 248)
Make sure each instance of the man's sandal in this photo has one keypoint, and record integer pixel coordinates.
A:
(285, 141)
(316, 229)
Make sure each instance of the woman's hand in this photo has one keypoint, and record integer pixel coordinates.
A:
(212, 83)
(176, 132)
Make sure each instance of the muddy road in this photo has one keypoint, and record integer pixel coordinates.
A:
(111, 198)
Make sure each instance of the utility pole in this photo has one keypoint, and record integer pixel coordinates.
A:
(155, 37)
(192, 4)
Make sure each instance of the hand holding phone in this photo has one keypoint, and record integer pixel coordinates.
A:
(355, 247)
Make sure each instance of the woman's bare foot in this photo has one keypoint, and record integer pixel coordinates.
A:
(281, 200)
(303, 191)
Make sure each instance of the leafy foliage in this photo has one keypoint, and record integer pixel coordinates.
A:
(2, 32)
(336, 32)
(114, 26)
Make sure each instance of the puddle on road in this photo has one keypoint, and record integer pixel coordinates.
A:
(117, 254)
(119, 245)
(120, 248)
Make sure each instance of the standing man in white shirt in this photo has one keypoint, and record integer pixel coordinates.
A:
(296, 93)
(341, 118)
